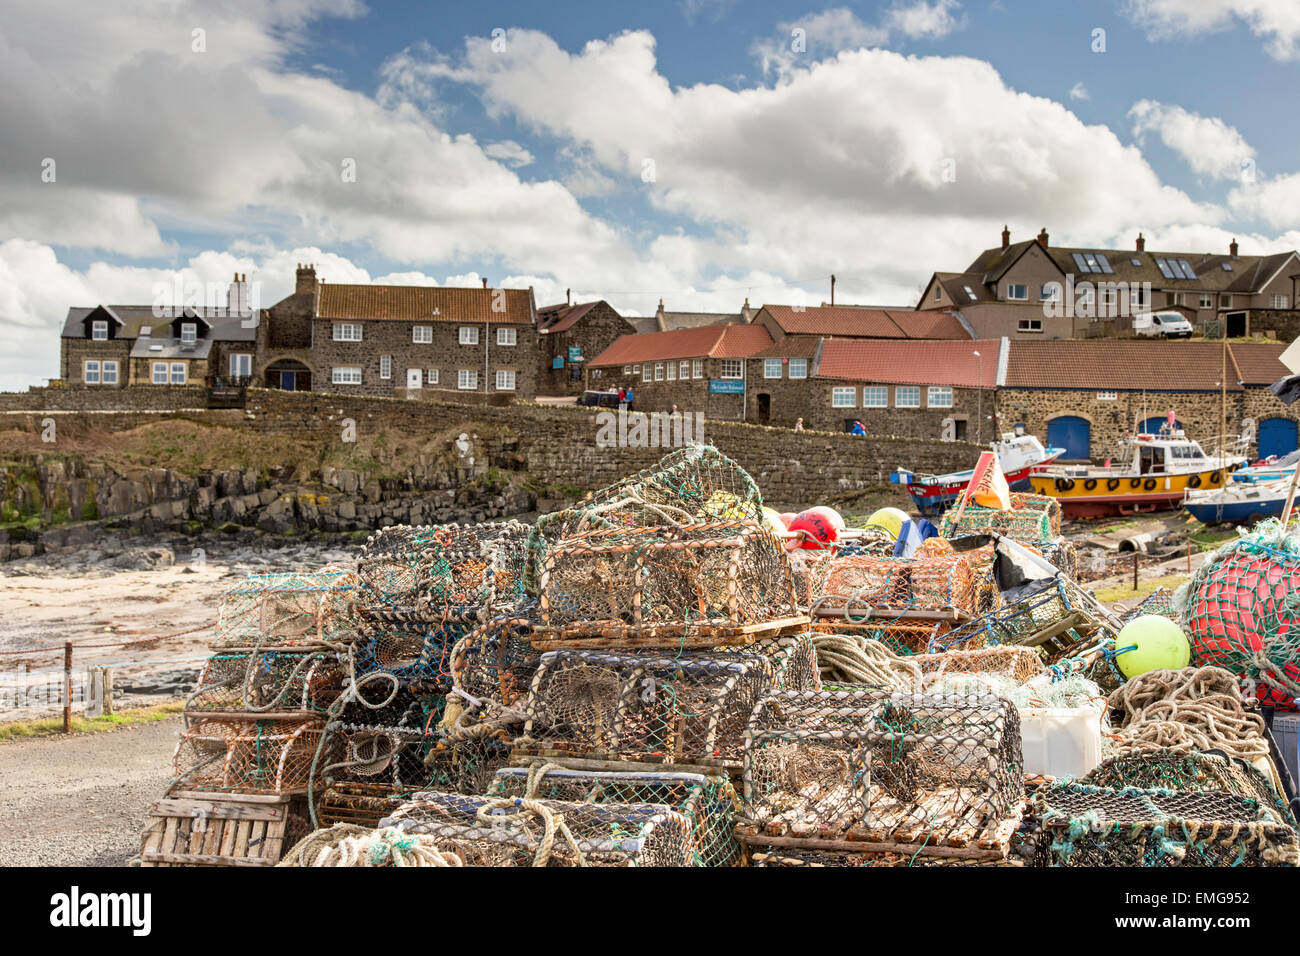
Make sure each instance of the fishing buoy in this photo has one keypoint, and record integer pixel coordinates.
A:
(1158, 644)
(787, 517)
(891, 519)
(773, 521)
(831, 515)
(819, 532)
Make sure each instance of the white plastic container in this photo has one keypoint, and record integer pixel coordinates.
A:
(1060, 742)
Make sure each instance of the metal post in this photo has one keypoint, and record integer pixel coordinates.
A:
(1135, 570)
(67, 687)
(979, 392)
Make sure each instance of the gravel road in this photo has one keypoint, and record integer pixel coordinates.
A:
(82, 799)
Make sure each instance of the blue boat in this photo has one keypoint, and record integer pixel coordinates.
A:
(1245, 502)
(1268, 470)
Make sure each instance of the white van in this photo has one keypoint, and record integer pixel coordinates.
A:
(1171, 325)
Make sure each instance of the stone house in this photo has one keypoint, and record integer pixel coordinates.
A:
(570, 335)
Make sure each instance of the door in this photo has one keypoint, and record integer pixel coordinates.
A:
(764, 408)
(414, 378)
(1277, 436)
(1072, 433)
(288, 381)
(1236, 322)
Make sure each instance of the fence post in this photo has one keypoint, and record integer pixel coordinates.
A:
(67, 687)
(1135, 570)
(108, 690)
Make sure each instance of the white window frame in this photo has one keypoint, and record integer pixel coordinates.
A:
(771, 365)
(1207, 300)
(909, 390)
(505, 380)
(158, 374)
(507, 336)
(385, 366)
(1027, 325)
(238, 359)
(468, 335)
(844, 396)
(1108, 396)
(422, 335)
(97, 326)
(875, 396)
(659, 371)
(467, 379)
(798, 368)
(345, 375)
(1279, 301)
(431, 376)
(189, 333)
(1110, 300)
(627, 370)
(732, 369)
(1137, 298)
(647, 373)
(90, 368)
(1011, 292)
(347, 332)
(670, 372)
(178, 373)
(684, 369)
(938, 396)
(106, 367)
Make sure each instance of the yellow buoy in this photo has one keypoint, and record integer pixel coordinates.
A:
(891, 519)
(1158, 644)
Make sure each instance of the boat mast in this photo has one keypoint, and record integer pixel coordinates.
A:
(1223, 403)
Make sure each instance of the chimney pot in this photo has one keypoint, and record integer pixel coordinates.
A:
(1141, 243)
(485, 282)
(1042, 238)
(1006, 238)
(1232, 249)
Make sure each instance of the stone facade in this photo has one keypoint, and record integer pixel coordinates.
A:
(690, 395)
(597, 329)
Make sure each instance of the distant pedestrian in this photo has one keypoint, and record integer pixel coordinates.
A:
(622, 399)
(631, 398)
(798, 424)
(858, 429)
(674, 411)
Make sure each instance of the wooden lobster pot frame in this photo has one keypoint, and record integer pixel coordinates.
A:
(230, 829)
(415, 654)
(1054, 621)
(363, 804)
(905, 637)
(482, 834)
(285, 610)
(391, 756)
(691, 709)
(793, 659)
(881, 586)
(883, 772)
(266, 682)
(495, 661)
(803, 856)
(694, 585)
(253, 755)
(1021, 664)
(1032, 518)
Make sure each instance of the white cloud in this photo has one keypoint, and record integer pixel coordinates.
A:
(921, 19)
(1275, 201)
(1277, 21)
(1079, 91)
(839, 28)
(1206, 143)
(509, 152)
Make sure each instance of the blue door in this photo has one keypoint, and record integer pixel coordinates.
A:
(1072, 433)
(288, 381)
(1277, 436)
(1153, 424)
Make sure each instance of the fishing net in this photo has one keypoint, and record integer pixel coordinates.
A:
(265, 681)
(691, 708)
(1160, 601)
(709, 802)
(689, 486)
(277, 609)
(389, 756)
(1061, 552)
(793, 659)
(872, 540)
(811, 857)
(1018, 664)
(1031, 518)
(495, 663)
(861, 585)
(900, 637)
(983, 581)
(1242, 612)
(361, 804)
(273, 755)
(884, 768)
(467, 762)
(519, 831)
(1083, 825)
(1054, 620)
(695, 583)
(414, 654)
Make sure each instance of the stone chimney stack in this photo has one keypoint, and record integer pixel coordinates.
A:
(485, 282)
(1141, 243)
(1232, 249)
(306, 284)
(237, 299)
(1042, 238)
(1006, 238)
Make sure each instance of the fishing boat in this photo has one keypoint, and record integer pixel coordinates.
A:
(1268, 469)
(1246, 502)
(1156, 473)
(1018, 455)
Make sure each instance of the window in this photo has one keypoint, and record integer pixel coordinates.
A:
(1107, 396)
(1225, 301)
(160, 373)
(110, 373)
(875, 396)
(90, 373)
(1017, 291)
(627, 370)
(1030, 325)
(345, 376)
(907, 396)
(1137, 297)
(99, 330)
(506, 379)
(422, 334)
(1050, 292)
(659, 371)
(347, 332)
(431, 376)
(798, 368)
(684, 370)
(385, 366)
(467, 378)
(1207, 301)
(733, 368)
(178, 373)
(697, 368)
(647, 373)
(189, 332)
(1109, 300)
(672, 371)
(940, 396)
(971, 292)
(1174, 298)
(241, 365)
(507, 337)
(843, 397)
(1087, 295)
(1278, 301)
(469, 335)
(771, 368)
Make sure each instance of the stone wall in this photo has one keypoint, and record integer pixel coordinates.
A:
(1282, 324)
(92, 398)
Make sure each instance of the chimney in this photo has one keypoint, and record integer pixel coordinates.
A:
(1232, 249)
(1042, 238)
(237, 296)
(1006, 238)
(1141, 243)
(306, 280)
(832, 290)
(485, 282)
(568, 297)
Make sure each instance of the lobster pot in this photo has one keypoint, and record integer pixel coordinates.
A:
(1182, 770)
(1053, 620)
(495, 662)
(899, 583)
(272, 755)
(1031, 518)
(467, 763)
(804, 856)
(362, 804)
(1020, 664)
(698, 583)
(688, 486)
(1242, 613)
(902, 637)
(686, 709)
(1160, 601)
(808, 571)
(793, 659)
(414, 654)
(891, 770)
(388, 756)
(709, 802)
(873, 541)
(509, 831)
(261, 681)
(1061, 552)
(287, 609)
(983, 581)
(1083, 825)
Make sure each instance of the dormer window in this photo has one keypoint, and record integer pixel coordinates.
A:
(99, 330)
(189, 332)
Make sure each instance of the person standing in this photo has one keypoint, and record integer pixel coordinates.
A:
(631, 398)
(798, 424)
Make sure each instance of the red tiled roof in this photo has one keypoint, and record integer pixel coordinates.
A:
(709, 341)
(419, 303)
(931, 325)
(836, 320)
(912, 362)
(1121, 365)
(792, 346)
(1258, 362)
(560, 318)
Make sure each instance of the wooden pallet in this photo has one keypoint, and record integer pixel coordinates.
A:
(190, 828)
(598, 635)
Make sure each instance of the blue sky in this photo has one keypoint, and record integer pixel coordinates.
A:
(526, 163)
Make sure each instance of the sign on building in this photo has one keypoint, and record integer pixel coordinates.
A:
(726, 386)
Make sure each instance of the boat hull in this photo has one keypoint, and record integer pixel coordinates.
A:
(1122, 494)
(935, 498)
(1235, 511)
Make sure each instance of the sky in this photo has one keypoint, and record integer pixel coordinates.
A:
(696, 151)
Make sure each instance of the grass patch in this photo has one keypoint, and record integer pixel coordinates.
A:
(1123, 592)
(80, 725)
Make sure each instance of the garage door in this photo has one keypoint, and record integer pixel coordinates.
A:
(1277, 436)
(1072, 433)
